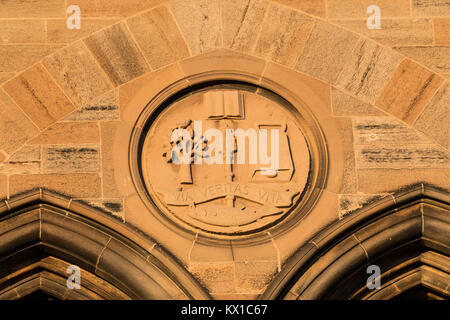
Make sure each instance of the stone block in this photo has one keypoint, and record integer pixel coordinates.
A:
(410, 89)
(373, 181)
(38, 95)
(215, 277)
(18, 57)
(338, 9)
(326, 51)
(435, 119)
(71, 159)
(254, 276)
(77, 185)
(430, 8)
(437, 58)
(385, 131)
(33, 9)
(117, 54)
(57, 31)
(197, 20)
(241, 20)
(369, 68)
(346, 105)
(108, 133)
(348, 184)
(15, 127)
(78, 74)
(401, 156)
(69, 132)
(22, 31)
(442, 31)
(113, 8)
(158, 36)
(283, 35)
(395, 32)
(104, 108)
(25, 161)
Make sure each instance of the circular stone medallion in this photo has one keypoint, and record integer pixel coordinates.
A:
(225, 160)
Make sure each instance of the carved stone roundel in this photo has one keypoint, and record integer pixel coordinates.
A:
(225, 160)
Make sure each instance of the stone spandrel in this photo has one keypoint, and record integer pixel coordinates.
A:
(225, 161)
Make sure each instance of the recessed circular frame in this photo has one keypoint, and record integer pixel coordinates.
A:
(227, 159)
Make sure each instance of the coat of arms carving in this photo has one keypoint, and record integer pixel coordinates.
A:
(226, 161)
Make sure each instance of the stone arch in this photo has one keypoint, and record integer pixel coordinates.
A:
(43, 233)
(407, 240)
(424, 91)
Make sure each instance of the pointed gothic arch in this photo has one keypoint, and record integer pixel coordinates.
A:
(42, 233)
(407, 238)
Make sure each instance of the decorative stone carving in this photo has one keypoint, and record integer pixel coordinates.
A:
(225, 161)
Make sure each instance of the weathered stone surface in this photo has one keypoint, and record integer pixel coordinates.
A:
(436, 58)
(338, 9)
(395, 32)
(410, 89)
(435, 119)
(346, 105)
(283, 35)
(197, 20)
(13, 123)
(241, 20)
(79, 185)
(18, 57)
(430, 8)
(108, 132)
(349, 173)
(57, 31)
(70, 159)
(78, 73)
(216, 277)
(349, 203)
(326, 51)
(33, 9)
(117, 53)
(254, 276)
(3, 186)
(314, 7)
(105, 107)
(113, 206)
(2, 156)
(159, 37)
(400, 157)
(372, 181)
(369, 68)
(39, 96)
(69, 132)
(25, 161)
(442, 31)
(113, 8)
(385, 130)
(22, 31)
